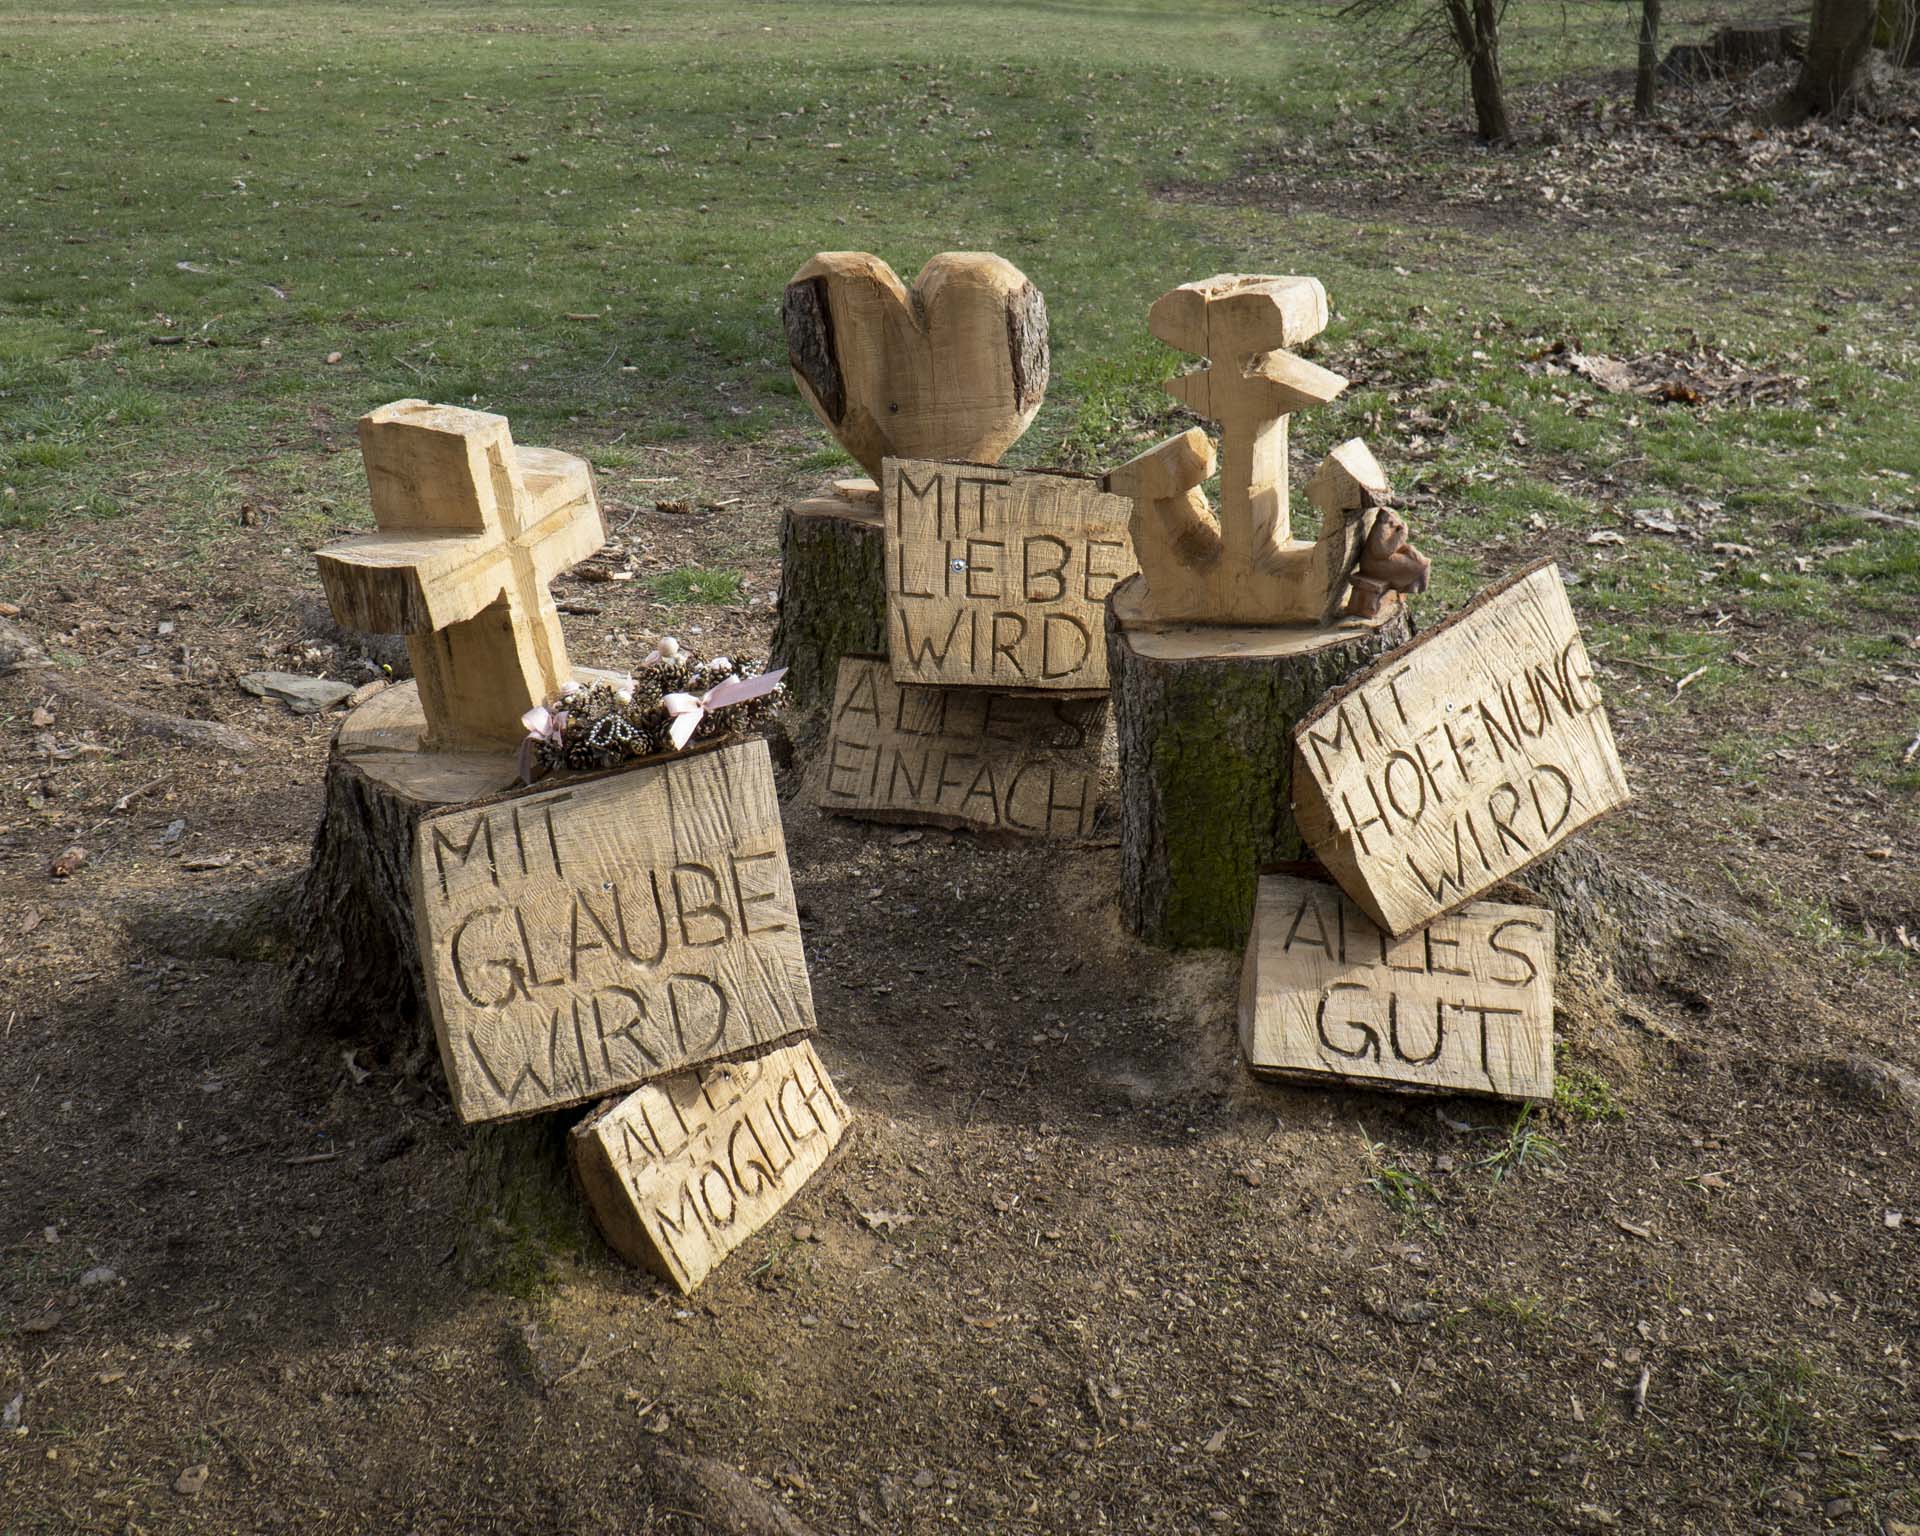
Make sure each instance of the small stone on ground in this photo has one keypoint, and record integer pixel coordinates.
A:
(302, 695)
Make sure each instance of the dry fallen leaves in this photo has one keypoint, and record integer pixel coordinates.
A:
(1700, 375)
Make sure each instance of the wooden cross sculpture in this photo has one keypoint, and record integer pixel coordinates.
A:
(1245, 566)
(472, 528)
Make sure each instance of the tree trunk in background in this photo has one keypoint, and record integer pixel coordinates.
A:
(1838, 40)
(1475, 25)
(1647, 72)
(1906, 35)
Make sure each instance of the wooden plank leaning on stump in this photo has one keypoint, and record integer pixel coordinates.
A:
(1424, 782)
(970, 758)
(996, 577)
(1464, 1006)
(682, 1171)
(582, 939)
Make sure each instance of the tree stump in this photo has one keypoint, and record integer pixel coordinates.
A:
(356, 970)
(1205, 718)
(833, 589)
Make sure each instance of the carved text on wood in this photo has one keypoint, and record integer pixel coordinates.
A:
(581, 940)
(999, 579)
(1463, 1006)
(1459, 759)
(962, 757)
(683, 1171)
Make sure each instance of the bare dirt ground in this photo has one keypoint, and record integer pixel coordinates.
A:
(1072, 1270)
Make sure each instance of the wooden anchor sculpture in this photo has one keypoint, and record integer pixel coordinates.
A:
(1244, 566)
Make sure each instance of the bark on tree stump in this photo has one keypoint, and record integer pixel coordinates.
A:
(356, 970)
(833, 591)
(1205, 718)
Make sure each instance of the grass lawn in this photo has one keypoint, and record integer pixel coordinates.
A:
(228, 230)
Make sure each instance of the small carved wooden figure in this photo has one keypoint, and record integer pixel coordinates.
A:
(1243, 565)
(1388, 563)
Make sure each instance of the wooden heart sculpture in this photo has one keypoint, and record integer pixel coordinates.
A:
(953, 369)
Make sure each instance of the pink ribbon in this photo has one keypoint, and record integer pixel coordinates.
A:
(542, 724)
(688, 712)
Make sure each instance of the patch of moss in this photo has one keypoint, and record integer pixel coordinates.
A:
(524, 1215)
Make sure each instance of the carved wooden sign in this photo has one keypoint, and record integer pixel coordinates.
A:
(961, 757)
(1463, 1006)
(579, 941)
(1459, 759)
(685, 1170)
(999, 579)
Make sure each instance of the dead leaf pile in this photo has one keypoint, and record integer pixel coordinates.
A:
(1701, 375)
(1584, 159)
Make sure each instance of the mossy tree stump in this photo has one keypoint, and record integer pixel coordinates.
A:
(1204, 717)
(833, 590)
(356, 970)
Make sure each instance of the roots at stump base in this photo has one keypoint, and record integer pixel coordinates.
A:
(355, 972)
